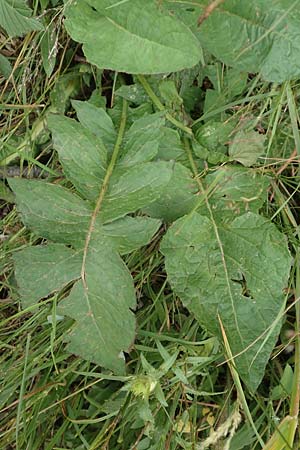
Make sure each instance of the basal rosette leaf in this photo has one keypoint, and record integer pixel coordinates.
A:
(95, 228)
(229, 276)
(135, 36)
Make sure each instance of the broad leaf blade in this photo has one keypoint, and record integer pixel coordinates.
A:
(52, 211)
(105, 325)
(177, 198)
(246, 147)
(130, 233)
(82, 154)
(44, 269)
(136, 188)
(135, 36)
(142, 140)
(253, 37)
(246, 294)
(238, 191)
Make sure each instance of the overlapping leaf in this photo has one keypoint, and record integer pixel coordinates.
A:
(253, 37)
(135, 36)
(102, 297)
(228, 276)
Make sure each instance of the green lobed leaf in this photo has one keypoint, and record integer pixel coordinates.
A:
(100, 305)
(232, 281)
(101, 299)
(135, 36)
(44, 269)
(81, 153)
(253, 37)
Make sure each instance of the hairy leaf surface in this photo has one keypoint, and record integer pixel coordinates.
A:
(135, 36)
(230, 276)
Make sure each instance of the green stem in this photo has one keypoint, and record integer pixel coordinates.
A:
(161, 107)
(104, 187)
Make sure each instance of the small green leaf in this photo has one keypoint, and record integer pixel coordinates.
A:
(14, 20)
(142, 140)
(135, 36)
(100, 305)
(49, 49)
(44, 269)
(246, 147)
(229, 275)
(170, 146)
(239, 190)
(6, 194)
(82, 154)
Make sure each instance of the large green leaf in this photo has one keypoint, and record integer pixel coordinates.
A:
(228, 275)
(103, 294)
(256, 36)
(135, 36)
(100, 304)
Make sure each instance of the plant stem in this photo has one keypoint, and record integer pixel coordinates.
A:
(104, 187)
(161, 107)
